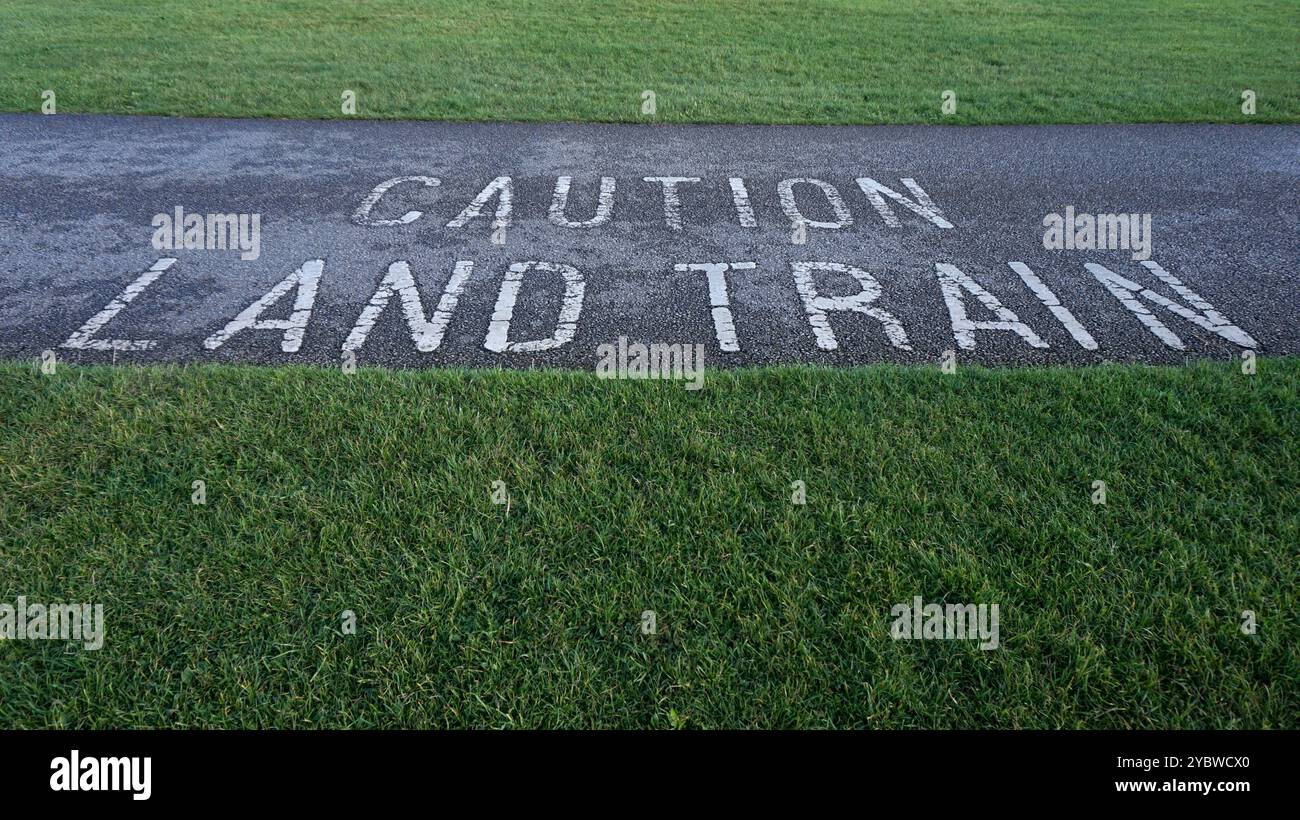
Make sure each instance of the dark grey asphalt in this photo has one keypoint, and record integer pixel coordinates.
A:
(78, 193)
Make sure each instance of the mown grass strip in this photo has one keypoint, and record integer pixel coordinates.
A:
(370, 492)
(728, 61)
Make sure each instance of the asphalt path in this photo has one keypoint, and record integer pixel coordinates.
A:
(842, 245)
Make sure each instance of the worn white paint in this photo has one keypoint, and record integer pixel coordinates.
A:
(817, 306)
(304, 280)
(1205, 315)
(740, 196)
(953, 282)
(498, 335)
(362, 216)
(672, 203)
(785, 192)
(923, 206)
(425, 333)
(724, 327)
(502, 189)
(604, 207)
(84, 337)
(1060, 311)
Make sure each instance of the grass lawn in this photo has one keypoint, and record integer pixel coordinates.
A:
(370, 492)
(810, 61)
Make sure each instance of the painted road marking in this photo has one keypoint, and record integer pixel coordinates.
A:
(362, 215)
(785, 191)
(425, 333)
(817, 305)
(885, 275)
(502, 189)
(304, 280)
(672, 203)
(724, 328)
(1207, 317)
(83, 337)
(499, 188)
(953, 282)
(922, 206)
(1060, 311)
(604, 206)
(740, 198)
(566, 325)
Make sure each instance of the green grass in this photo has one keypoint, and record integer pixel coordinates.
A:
(810, 61)
(370, 492)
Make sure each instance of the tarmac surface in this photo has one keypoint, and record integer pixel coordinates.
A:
(842, 245)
